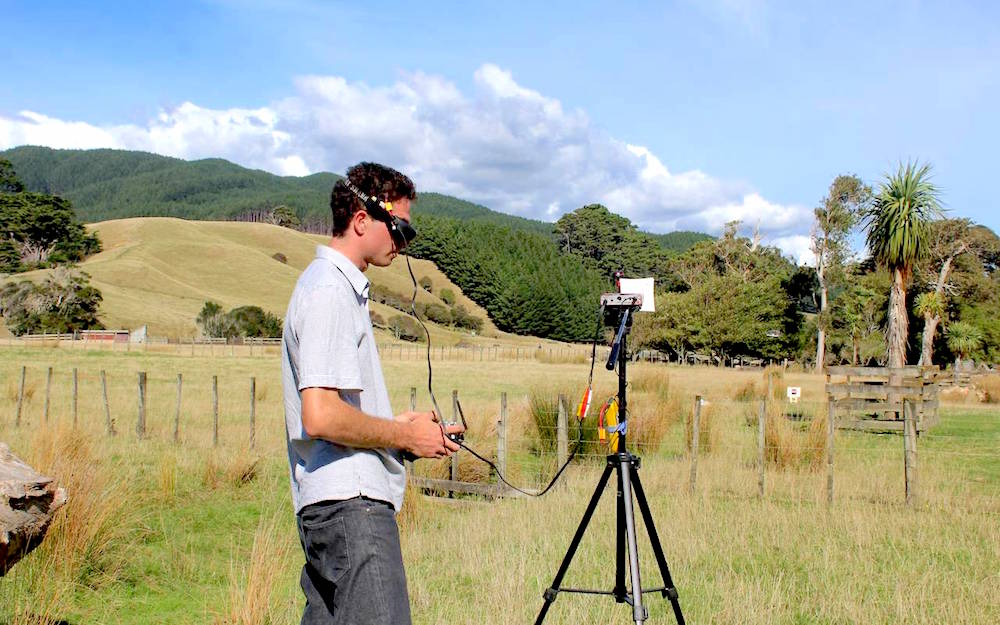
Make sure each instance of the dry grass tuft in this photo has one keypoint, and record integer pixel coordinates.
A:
(167, 475)
(747, 392)
(252, 586)
(990, 386)
(655, 381)
(89, 539)
(14, 389)
(235, 470)
(651, 419)
(788, 447)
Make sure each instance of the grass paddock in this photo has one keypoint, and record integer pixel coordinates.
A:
(157, 531)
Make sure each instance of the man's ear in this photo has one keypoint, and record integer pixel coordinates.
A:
(360, 223)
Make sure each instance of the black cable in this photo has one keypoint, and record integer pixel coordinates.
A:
(461, 443)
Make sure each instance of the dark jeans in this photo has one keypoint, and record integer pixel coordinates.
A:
(354, 567)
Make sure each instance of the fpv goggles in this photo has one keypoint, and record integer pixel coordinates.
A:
(401, 231)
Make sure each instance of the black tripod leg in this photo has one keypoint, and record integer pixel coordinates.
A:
(620, 535)
(661, 560)
(553, 590)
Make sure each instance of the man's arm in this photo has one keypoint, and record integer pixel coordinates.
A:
(327, 416)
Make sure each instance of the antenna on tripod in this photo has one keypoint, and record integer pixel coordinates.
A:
(619, 309)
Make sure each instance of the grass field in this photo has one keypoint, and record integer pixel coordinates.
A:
(187, 533)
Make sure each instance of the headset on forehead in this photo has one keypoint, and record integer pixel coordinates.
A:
(402, 231)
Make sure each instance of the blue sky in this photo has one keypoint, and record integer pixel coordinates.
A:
(677, 115)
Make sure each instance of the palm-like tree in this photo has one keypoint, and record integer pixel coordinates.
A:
(897, 228)
(963, 339)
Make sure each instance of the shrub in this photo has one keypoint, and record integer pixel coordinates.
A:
(406, 328)
(378, 320)
(426, 283)
(437, 313)
(247, 321)
(281, 258)
(462, 319)
(447, 296)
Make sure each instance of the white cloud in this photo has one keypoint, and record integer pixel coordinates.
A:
(502, 145)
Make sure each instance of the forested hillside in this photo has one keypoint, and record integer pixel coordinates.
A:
(114, 184)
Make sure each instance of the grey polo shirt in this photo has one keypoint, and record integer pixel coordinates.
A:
(328, 342)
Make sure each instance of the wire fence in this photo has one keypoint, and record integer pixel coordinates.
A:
(756, 447)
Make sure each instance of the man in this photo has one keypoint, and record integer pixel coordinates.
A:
(344, 445)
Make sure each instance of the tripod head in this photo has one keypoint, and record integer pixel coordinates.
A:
(618, 311)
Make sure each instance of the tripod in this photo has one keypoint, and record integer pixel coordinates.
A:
(626, 468)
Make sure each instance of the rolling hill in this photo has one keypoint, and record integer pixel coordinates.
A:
(160, 271)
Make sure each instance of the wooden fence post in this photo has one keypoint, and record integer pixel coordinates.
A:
(830, 427)
(140, 424)
(761, 438)
(502, 436)
(177, 409)
(20, 397)
(910, 451)
(562, 432)
(695, 434)
(108, 423)
(408, 464)
(76, 394)
(453, 472)
(253, 408)
(48, 390)
(215, 411)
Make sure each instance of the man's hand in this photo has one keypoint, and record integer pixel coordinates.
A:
(426, 436)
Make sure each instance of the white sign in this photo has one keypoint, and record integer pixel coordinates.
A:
(794, 393)
(643, 286)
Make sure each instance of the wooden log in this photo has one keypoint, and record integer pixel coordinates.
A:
(28, 501)
(468, 488)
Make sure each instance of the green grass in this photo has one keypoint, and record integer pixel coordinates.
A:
(189, 526)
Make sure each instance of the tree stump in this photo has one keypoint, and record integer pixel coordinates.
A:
(27, 503)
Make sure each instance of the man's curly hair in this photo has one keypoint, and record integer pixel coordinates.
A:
(382, 182)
